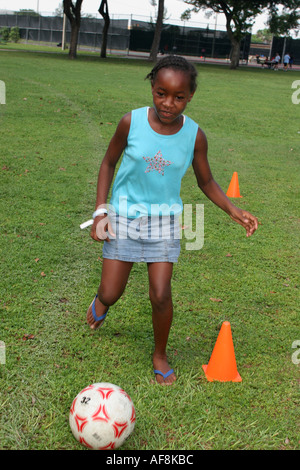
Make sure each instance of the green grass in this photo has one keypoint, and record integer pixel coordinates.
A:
(55, 127)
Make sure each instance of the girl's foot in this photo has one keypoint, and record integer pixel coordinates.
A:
(161, 364)
(99, 311)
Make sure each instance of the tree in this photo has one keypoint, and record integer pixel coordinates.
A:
(240, 16)
(282, 23)
(73, 13)
(158, 30)
(59, 11)
(27, 12)
(103, 10)
(262, 36)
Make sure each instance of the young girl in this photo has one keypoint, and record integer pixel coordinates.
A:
(159, 144)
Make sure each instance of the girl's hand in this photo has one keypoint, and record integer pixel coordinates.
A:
(244, 218)
(101, 228)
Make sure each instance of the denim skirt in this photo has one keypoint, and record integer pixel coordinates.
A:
(144, 239)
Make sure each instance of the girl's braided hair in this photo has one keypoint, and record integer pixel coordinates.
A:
(176, 63)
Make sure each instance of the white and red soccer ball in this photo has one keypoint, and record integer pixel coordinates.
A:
(102, 416)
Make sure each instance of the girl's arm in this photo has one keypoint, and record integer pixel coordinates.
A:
(213, 191)
(106, 174)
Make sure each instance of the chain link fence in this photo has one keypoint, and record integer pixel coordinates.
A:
(49, 29)
(128, 34)
(135, 34)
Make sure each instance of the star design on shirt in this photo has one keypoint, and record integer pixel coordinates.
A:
(157, 163)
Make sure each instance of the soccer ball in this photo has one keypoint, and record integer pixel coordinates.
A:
(102, 416)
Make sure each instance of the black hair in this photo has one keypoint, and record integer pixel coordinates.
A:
(175, 62)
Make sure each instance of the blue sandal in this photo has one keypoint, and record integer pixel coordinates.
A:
(96, 318)
(162, 374)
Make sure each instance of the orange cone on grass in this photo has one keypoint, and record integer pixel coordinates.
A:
(233, 189)
(222, 364)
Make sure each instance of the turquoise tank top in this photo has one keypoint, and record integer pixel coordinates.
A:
(148, 181)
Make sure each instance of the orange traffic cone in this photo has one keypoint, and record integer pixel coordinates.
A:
(222, 364)
(233, 189)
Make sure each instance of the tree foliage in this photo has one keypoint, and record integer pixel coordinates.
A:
(27, 12)
(262, 36)
(282, 23)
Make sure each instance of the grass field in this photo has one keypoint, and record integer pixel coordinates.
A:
(57, 121)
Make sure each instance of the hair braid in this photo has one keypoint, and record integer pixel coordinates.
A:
(176, 63)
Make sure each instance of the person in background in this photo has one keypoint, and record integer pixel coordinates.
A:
(286, 61)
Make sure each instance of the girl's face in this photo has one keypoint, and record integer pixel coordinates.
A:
(171, 93)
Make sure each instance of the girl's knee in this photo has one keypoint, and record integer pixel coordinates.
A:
(107, 296)
(160, 296)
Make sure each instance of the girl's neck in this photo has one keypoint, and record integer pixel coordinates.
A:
(162, 128)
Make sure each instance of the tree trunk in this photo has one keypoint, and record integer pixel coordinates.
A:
(74, 41)
(103, 10)
(157, 33)
(235, 42)
(235, 53)
(73, 13)
(104, 38)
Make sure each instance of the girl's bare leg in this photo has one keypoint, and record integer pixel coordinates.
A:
(162, 313)
(114, 278)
